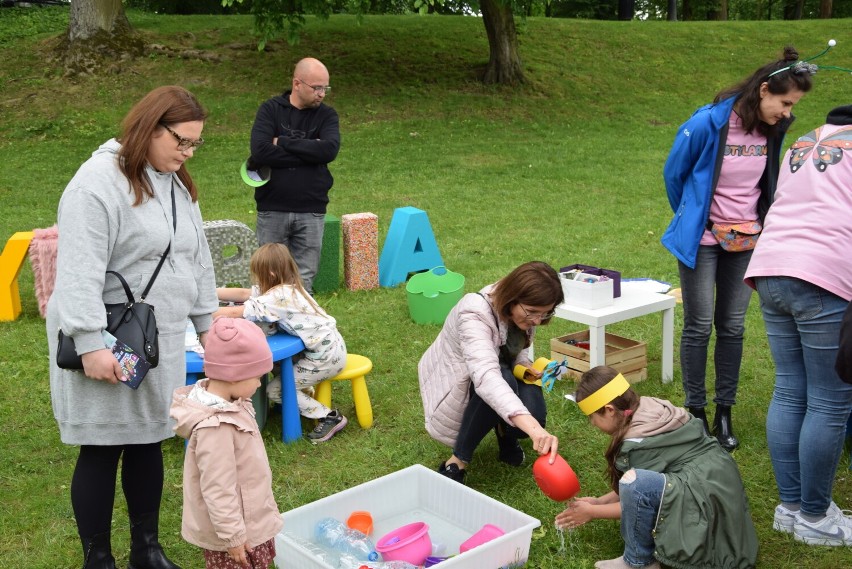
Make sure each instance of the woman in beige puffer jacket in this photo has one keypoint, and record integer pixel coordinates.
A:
(466, 376)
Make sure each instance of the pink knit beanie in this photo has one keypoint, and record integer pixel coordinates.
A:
(236, 349)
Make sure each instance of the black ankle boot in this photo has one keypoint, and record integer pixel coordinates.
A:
(510, 449)
(723, 429)
(145, 549)
(97, 552)
(700, 413)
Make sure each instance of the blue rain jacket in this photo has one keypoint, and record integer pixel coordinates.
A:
(692, 172)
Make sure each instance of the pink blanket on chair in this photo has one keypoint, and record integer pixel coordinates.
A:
(43, 260)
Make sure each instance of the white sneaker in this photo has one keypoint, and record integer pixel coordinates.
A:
(832, 530)
(784, 519)
(842, 517)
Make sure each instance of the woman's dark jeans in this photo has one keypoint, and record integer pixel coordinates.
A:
(479, 418)
(714, 296)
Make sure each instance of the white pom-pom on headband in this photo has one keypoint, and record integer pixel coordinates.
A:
(804, 67)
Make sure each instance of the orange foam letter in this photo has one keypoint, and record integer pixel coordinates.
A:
(10, 267)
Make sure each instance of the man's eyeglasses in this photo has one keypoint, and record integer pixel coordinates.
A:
(536, 315)
(184, 143)
(317, 88)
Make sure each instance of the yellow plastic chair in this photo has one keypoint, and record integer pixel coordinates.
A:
(357, 367)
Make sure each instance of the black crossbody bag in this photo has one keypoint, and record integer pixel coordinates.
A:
(131, 322)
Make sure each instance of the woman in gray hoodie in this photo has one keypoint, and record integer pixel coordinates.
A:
(126, 205)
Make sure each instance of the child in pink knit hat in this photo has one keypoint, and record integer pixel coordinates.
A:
(228, 506)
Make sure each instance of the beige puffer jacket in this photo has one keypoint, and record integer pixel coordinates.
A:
(466, 350)
(227, 482)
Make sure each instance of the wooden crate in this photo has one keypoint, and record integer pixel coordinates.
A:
(627, 356)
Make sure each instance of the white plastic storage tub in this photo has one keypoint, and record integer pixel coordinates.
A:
(416, 494)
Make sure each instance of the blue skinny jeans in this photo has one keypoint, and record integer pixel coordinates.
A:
(806, 422)
(640, 493)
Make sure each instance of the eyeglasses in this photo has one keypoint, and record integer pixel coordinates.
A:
(536, 315)
(184, 143)
(317, 88)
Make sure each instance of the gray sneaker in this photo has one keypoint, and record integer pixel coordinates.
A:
(832, 530)
(327, 427)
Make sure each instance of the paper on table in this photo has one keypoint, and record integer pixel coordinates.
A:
(648, 285)
(191, 339)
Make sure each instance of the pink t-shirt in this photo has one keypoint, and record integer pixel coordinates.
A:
(737, 192)
(808, 230)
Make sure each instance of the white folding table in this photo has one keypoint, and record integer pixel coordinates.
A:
(630, 304)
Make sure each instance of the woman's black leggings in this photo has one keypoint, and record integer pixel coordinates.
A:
(478, 418)
(93, 483)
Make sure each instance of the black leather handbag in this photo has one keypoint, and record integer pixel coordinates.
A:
(131, 322)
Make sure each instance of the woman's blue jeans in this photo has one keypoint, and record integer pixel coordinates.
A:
(714, 294)
(479, 418)
(806, 423)
(640, 499)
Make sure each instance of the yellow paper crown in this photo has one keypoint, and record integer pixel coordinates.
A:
(615, 387)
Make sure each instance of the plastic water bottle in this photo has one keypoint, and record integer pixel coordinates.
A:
(349, 562)
(337, 536)
(318, 552)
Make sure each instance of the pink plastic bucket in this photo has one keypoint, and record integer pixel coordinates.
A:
(486, 534)
(409, 543)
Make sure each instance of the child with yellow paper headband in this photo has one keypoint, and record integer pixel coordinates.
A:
(678, 494)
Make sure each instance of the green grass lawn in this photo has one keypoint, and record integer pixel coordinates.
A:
(566, 169)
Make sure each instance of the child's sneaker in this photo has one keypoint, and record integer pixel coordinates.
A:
(327, 427)
(784, 519)
(833, 530)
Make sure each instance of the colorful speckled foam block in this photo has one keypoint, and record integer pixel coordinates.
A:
(360, 250)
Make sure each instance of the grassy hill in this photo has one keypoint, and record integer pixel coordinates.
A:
(565, 169)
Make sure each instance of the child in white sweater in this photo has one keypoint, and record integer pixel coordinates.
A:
(278, 298)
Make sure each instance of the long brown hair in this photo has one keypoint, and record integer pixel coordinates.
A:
(748, 90)
(534, 283)
(163, 106)
(590, 382)
(273, 265)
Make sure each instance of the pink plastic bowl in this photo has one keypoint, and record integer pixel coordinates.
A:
(486, 534)
(409, 543)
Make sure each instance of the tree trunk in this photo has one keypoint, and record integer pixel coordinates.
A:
(99, 38)
(825, 9)
(686, 11)
(720, 13)
(793, 9)
(626, 9)
(672, 11)
(504, 61)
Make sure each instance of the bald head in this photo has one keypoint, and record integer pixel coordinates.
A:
(309, 65)
(310, 84)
